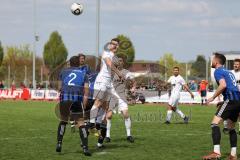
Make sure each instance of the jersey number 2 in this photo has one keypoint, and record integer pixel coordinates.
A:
(72, 76)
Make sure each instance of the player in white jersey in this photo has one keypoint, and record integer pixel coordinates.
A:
(121, 103)
(103, 87)
(177, 83)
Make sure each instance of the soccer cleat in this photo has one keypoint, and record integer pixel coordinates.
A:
(186, 119)
(130, 139)
(100, 146)
(107, 139)
(212, 156)
(167, 122)
(59, 147)
(230, 157)
(225, 130)
(86, 152)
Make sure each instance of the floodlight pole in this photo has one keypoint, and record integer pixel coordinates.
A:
(34, 46)
(97, 26)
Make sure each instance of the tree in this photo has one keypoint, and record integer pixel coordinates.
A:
(1, 53)
(55, 52)
(199, 67)
(170, 63)
(126, 48)
(17, 58)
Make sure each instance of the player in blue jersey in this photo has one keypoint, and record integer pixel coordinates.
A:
(85, 68)
(73, 100)
(229, 110)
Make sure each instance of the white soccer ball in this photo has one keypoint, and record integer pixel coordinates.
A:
(77, 8)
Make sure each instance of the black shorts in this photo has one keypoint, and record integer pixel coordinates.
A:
(203, 93)
(69, 107)
(229, 110)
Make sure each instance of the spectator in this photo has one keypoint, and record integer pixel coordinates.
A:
(203, 91)
(1, 85)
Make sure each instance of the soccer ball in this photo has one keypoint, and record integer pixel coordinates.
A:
(77, 8)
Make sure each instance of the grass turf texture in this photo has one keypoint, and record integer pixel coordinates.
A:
(28, 132)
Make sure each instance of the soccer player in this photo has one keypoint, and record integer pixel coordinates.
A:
(73, 99)
(177, 83)
(121, 103)
(236, 73)
(85, 68)
(229, 110)
(103, 87)
(203, 91)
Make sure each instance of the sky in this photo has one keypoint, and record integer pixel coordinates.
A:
(185, 28)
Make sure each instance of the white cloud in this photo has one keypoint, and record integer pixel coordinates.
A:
(218, 22)
(159, 6)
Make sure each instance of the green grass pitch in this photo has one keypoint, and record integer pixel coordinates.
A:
(28, 132)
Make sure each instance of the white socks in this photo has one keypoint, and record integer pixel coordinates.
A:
(180, 113)
(169, 115)
(234, 151)
(217, 149)
(108, 127)
(128, 126)
(93, 114)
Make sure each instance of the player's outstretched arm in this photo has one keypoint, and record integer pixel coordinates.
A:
(187, 88)
(113, 68)
(220, 89)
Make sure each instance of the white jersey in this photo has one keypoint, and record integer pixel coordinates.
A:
(105, 72)
(177, 83)
(237, 76)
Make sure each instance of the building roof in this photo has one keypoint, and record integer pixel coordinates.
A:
(228, 52)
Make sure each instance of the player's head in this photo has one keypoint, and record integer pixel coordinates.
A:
(236, 65)
(122, 60)
(176, 71)
(74, 61)
(82, 58)
(218, 60)
(114, 44)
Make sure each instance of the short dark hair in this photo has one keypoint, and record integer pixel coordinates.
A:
(74, 61)
(176, 68)
(123, 56)
(116, 40)
(220, 57)
(237, 60)
(81, 55)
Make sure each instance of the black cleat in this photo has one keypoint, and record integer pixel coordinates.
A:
(107, 139)
(225, 130)
(167, 122)
(185, 120)
(130, 139)
(59, 147)
(87, 152)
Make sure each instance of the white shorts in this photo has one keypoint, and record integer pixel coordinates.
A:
(173, 101)
(104, 91)
(120, 103)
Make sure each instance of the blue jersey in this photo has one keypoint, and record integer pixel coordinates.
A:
(231, 91)
(91, 79)
(73, 80)
(86, 69)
